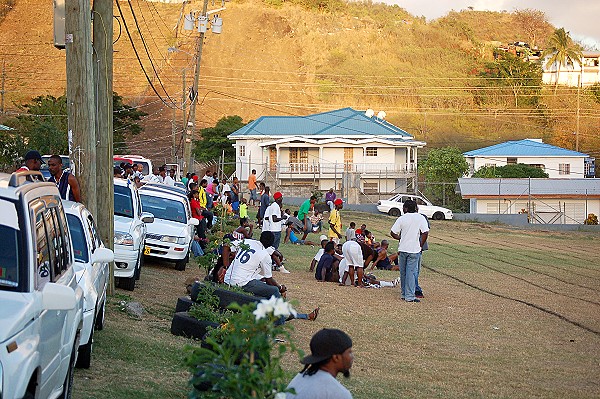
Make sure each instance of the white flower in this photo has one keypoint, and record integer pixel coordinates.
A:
(282, 308)
(264, 308)
(280, 395)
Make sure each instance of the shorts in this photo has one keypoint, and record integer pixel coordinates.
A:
(353, 254)
(235, 206)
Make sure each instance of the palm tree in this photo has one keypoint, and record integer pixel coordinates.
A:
(562, 52)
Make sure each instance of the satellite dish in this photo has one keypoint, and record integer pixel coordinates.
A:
(381, 115)
(369, 113)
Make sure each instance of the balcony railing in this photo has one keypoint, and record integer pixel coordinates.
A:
(327, 169)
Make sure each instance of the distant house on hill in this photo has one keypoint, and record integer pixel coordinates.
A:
(342, 149)
(555, 161)
(568, 75)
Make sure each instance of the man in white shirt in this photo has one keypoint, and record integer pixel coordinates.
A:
(253, 264)
(412, 230)
(166, 179)
(273, 220)
(331, 354)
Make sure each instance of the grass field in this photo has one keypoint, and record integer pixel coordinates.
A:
(506, 313)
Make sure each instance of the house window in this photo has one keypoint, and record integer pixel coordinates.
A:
(490, 165)
(371, 151)
(242, 151)
(299, 159)
(511, 161)
(538, 165)
(564, 168)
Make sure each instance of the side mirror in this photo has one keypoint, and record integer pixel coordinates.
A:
(58, 297)
(147, 217)
(193, 222)
(103, 255)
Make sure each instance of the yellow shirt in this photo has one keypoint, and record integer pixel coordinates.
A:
(336, 220)
(243, 211)
(202, 197)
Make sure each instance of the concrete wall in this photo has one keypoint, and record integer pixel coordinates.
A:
(551, 164)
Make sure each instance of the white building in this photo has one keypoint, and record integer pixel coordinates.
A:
(340, 149)
(555, 161)
(568, 75)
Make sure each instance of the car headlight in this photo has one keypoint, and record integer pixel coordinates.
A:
(171, 239)
(181, 241)
(123, 238)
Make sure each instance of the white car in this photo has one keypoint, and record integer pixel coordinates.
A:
(170, 236)
(41, 304)
(393, 207)
(92, 270)
(130, 233)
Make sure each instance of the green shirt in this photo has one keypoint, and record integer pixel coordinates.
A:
(304, 209)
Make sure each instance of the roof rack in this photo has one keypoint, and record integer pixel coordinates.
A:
(27, 176)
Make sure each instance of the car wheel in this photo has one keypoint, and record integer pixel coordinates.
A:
(127, 283)
(438, 216)
(138, 266)
(68, 384)
(84, 357)
(180, 264)
(100, 316)
(394, 212)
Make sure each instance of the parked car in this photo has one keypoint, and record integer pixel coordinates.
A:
(41, 304)
(165, 187)
(92, 270)
(393, 207)
(130, 233)
(170, 236)
(66, 164)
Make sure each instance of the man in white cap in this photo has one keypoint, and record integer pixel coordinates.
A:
(331, 354)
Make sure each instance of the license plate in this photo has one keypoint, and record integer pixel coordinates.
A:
(146, 250)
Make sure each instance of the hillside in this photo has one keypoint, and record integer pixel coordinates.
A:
(291, 59)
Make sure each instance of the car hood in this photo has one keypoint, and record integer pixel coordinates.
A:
(17, 310)
(124, 224)
(167, 228)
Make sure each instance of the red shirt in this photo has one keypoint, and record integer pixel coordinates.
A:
(196, 210)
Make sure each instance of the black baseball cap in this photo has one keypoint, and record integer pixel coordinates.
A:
(33, 154)
(326, 343)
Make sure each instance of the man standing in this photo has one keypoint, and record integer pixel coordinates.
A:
(165, 179)
(411, 229)
(330, 198)
(303, 214)
(331, 354)
(252, 187)
(335, 221)
(33, 161)
(264, 203)
(235, 196)
(155, 176)
(203, 200)
(273, 219)
(68, 186)
(251, 268)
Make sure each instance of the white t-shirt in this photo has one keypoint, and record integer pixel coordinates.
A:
(268, 223)
(320, 253)
(410, 226)
(154, 178)
(249, 264)
(226, 188)
(320, 385)
(168, 180)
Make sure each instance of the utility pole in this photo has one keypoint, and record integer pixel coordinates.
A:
(577, 124)
(80, 96)
(103, 78)
(2, 91)
(190, 129)
(184, 95)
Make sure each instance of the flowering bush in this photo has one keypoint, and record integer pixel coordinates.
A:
(242, 358)
(591, 219)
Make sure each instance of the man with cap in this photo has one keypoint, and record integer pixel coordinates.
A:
(33, 161)
(335, 221)
(272, 219)
(331, 354)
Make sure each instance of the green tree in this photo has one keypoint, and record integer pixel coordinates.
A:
(441, 170)
(42, 125)
(562, 52)
(214, 140)
(523, 78)
(519, 170)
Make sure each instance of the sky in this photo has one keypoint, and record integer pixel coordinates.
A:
(580, 17)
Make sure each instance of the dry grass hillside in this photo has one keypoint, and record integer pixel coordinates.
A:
(293, 60)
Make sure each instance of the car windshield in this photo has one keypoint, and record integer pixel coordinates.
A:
(163, 208)
(78, 238)
(123, 201)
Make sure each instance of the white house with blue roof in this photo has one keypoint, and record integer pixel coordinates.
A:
(557, 162)
(338, 148)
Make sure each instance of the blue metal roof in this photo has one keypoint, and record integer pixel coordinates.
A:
(341, 122)
(524, 148)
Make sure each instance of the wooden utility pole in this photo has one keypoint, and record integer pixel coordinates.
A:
(103, 78)
(2, 90)
(190, 129)
(80, 97)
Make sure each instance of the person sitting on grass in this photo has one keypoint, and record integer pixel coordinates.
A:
(296, 241)
(383, 260)
(316, 220)
(325, 267)
(320, 252)
(293, 224)
(244, 230)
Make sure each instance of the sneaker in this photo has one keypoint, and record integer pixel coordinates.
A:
(419, 294)
(396, 281)
(284, 270)
(414, 300)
